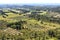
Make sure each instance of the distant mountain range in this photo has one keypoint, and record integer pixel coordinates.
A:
(28, 5)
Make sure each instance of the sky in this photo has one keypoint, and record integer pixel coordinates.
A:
(29, 1)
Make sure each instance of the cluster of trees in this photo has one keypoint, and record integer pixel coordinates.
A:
(54, 33)
(13, 11)
(3, 14)
(44, 18)
(17, 25)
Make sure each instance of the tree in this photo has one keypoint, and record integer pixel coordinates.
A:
(51, 33)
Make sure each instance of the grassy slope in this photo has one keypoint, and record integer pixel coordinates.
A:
(14, 17)
(45, 26)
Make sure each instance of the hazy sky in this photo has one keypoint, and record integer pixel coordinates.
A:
(28, 1)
